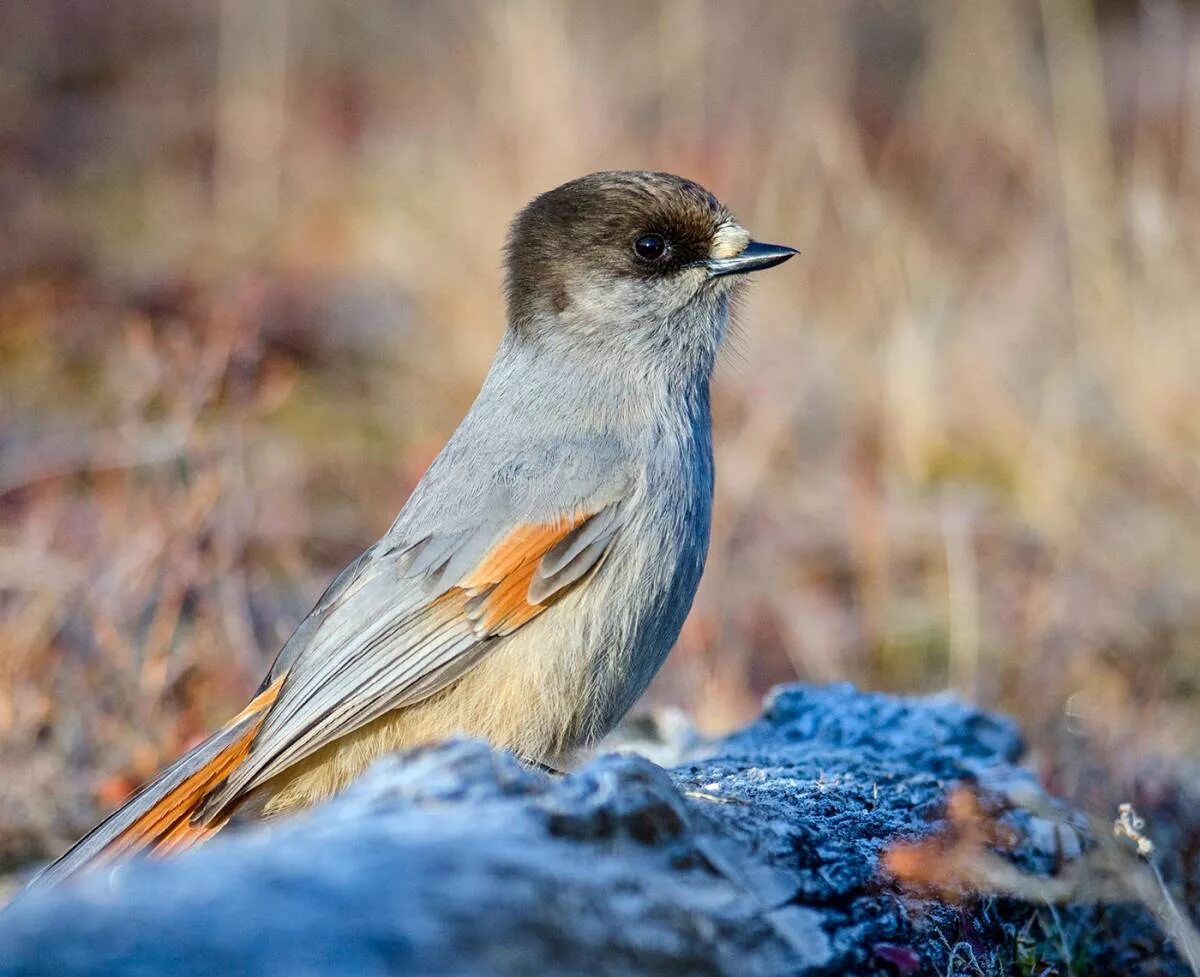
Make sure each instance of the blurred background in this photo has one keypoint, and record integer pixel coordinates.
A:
(250, 281)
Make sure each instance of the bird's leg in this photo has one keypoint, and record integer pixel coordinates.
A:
(539, 765)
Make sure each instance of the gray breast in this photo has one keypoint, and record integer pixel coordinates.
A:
(652, 576)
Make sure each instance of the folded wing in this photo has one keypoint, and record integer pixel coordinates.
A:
(405, 621)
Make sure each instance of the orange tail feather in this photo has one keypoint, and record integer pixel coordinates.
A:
(158, 818)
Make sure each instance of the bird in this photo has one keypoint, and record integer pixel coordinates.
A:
(541, 570)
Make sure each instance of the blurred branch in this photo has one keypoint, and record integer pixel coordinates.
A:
(91, 452)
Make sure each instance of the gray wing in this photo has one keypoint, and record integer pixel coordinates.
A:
(414, 612)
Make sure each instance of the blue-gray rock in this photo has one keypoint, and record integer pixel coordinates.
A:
(761, 859)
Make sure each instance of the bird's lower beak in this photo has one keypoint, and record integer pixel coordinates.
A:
(754, 257)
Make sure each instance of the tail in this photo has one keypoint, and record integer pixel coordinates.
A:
(159, 817)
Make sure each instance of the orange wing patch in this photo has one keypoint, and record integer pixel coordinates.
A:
(499, 586)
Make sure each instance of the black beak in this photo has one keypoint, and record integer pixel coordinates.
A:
(755, 257)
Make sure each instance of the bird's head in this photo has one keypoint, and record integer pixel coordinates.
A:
(629, 260)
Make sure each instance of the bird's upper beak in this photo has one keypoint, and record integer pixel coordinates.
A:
(755, 256)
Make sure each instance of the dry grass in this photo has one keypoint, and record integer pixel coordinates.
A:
(251, 280)
(968, 859)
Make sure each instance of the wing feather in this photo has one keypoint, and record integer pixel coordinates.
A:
(598, 527)
(545, 585)
(396, 627)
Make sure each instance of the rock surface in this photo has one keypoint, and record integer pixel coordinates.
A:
(763, 858)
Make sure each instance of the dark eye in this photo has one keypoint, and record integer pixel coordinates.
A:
(650, 247)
